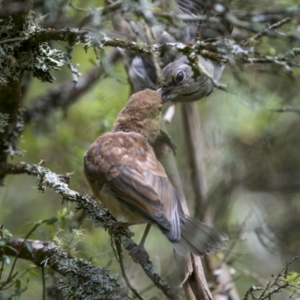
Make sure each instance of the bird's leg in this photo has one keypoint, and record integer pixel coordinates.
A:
(141, 244)
(166, 138)
(115, 226)
(147, 229)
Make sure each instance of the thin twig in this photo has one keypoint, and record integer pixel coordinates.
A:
(13, 40)
(121, 262)
(10, 276)
(43, 283)
(265, 31)
(286, 109)
(216, 84)
(280, 283)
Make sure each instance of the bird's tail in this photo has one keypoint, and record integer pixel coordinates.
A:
(198, 238)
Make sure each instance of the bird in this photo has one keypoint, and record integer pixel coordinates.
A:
(125, 175)
(179, 82)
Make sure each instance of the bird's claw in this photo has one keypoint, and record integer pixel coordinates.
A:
(116, 226)
(166, 138)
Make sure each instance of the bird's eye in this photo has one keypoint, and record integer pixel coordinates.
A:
(179, 77)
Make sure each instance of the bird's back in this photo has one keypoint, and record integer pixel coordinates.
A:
(124, 173)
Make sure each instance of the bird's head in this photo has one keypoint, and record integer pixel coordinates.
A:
(141, 114)
(180, 84)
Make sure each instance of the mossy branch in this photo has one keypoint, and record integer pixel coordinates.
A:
(82, 280)
(99, 216)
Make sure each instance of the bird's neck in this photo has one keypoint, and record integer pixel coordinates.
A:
(147, 128)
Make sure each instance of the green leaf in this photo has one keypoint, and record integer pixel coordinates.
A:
(51, 221)
(34, 272)
(7, 233)
(293, 277)
(12, 248)
(29, 246)
(6, 259)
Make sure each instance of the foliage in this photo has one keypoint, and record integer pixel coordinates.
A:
(250, 147)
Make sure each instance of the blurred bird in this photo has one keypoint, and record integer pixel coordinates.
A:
(179, 83)
(125, 175)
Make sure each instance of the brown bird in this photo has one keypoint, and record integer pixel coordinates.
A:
(178, 81)
(125, 175)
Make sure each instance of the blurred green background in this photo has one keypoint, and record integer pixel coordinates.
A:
(251, 155)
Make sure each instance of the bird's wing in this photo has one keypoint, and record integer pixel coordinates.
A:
(150, 195)
(127, 165)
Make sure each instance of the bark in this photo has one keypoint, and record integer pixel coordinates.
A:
(196, 154)
(195, 284)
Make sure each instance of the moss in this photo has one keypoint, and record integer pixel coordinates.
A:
(86, 281)
(15, 58)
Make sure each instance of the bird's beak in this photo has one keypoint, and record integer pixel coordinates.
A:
(164, 95)
(159, 91)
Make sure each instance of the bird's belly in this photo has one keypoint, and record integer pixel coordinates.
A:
(121, 211)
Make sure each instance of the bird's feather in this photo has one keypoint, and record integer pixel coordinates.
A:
(135, 178)
(126, 176)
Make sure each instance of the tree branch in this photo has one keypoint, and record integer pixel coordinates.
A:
(100, 217)
(266, 31)
(195, 144)
(194, 281)
(66, 94)
(121, 262)
(88, 279)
